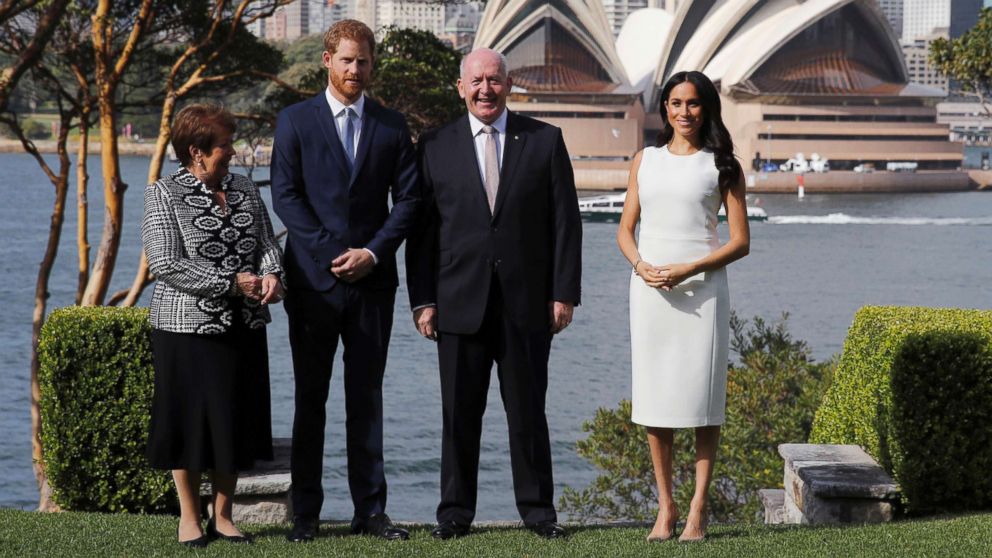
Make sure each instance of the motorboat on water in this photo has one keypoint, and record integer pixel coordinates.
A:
(609, 208)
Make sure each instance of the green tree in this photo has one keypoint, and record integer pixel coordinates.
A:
(968, 60)
(415, 73)
(772, 394)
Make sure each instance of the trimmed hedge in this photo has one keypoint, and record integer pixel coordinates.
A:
(914, 388)
(96, 382)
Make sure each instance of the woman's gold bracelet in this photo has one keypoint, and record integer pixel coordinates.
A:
(639, 260)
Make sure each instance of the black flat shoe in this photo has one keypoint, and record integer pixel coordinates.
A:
(200, 542)
(378, 525)
(213, 533)
(449, 530)
(304, 530)
(548, 530)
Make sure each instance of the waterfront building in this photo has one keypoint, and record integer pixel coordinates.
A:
(813, 76)
(969, 121)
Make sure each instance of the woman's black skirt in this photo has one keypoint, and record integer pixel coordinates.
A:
(210, 409)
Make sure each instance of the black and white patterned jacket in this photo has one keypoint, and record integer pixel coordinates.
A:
(195, 250)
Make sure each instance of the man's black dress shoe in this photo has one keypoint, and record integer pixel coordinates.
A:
(449, 530)
(304, 529)
(213, 533)
(200, 542)
(378, 525)
(548, 529)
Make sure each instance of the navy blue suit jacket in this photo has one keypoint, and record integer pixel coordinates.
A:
(327, 208)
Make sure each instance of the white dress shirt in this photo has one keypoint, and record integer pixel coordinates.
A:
(341, 120)
(480, 141)
(341, 123)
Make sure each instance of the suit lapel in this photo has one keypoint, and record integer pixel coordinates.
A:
(369, 123)
(465, 150)
(326, 121)
(512, 151)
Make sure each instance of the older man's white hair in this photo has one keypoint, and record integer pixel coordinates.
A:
(502, 60)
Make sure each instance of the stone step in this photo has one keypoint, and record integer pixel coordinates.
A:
(773, 500)
(263, 493)
(827, 483)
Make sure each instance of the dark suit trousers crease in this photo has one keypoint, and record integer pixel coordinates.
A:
(466, 363)
(363, 319)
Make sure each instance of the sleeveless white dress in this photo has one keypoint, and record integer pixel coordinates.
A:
(679, 339)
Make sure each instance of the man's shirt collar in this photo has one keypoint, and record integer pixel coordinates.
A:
(337, 106)
(499, 124)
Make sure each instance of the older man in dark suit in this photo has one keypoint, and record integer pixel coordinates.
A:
(336, 160)
(493, 274)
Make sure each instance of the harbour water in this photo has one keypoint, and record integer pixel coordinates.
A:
(818, 259)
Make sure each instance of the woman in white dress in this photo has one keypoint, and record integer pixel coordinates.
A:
(679, 301)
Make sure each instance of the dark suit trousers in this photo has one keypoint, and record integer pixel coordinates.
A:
(363, 319)
(466, 363)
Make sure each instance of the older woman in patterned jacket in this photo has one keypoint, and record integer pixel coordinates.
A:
(209, 242)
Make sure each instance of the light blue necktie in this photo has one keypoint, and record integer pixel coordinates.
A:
(349, 135)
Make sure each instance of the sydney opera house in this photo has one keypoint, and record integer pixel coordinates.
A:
(824, 76)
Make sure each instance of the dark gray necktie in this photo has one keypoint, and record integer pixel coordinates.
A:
(491, 165)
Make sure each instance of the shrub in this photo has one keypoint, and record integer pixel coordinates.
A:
(36, 130)
(96, 388)
(772, 393)
(914, 388)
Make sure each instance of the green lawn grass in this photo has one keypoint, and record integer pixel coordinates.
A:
(86, 534)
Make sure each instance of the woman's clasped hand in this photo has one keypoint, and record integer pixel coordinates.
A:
(263, 289)
(663, 277)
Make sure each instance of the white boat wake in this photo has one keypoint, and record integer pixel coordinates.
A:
(845, 219)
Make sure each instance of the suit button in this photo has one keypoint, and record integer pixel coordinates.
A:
(497, 263)
(495, 229)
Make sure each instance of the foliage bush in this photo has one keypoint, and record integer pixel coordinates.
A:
(96, 383)
(36, 130)
(772, 393)
(914, 388)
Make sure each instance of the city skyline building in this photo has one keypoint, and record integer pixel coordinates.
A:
(617, 12)
(405, 14)
(922, 17)
(964, 16)
(299, 19)
(917, 55)
(461, 22)
(893, 12)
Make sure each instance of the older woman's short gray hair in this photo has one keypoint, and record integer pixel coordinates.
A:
(502, 61)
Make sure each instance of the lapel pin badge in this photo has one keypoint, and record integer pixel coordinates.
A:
(516, 137)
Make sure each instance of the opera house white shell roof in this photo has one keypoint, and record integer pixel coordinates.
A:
(769, 48)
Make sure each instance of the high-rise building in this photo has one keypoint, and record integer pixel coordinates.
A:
(426, 16)
(922, 17)
(893, 12)
(964, 16)
(917, 54)
(365, 11)
(618, 10)
(300, 18)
